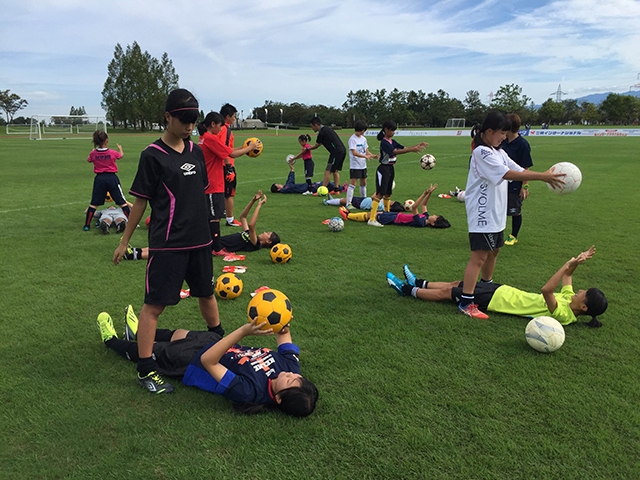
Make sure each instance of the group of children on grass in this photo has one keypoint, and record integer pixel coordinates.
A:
(185, 185)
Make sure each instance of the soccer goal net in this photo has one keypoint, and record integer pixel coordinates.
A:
(455, 123)
(65, 127)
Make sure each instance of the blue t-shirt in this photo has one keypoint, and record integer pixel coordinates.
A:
(418, 220)
(250, 372)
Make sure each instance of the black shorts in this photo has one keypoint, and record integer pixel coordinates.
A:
(308, 168)
(384, 180)
(358, 173)
(230, 187)
(336, 159)
(167, 270)
(105, 183)
(514, 204)
(486, 241)
(216, 205)
(173, 358)
(483, 293)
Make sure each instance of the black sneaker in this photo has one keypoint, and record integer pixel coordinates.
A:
(120, 227)
(155, 383)
(104, 226)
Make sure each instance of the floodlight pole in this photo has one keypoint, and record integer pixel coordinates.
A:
(281, 116)
(266, 112)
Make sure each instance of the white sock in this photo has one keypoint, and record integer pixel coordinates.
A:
(230, 219)
(335, 202)
(350, 191)
(363, 190)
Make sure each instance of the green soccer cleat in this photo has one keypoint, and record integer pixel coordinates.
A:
(130, 324)
(511, 240)
(105, 324)
(155, 383)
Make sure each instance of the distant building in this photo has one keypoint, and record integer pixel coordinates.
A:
(252, 123)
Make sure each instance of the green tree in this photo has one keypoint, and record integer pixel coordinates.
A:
(572, 113)
(474, 109)
(551, 112)
(509, 99)
(620, 109)
(11, 103)
(589, 113)
(137, 86)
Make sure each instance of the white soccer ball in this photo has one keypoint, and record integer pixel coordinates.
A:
(289, 158)
(336, 224)
(408, 205)
(460, 196)
(572, 179)
(393, 185)
(544, 334)
(427, 161)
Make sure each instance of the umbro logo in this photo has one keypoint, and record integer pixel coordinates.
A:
(188, 169)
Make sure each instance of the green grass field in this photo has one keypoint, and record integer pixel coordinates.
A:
(408, 389)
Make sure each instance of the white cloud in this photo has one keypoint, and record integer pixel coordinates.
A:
(249, 51)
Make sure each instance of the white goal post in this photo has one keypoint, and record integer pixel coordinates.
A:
(455, 123)
(65, 127)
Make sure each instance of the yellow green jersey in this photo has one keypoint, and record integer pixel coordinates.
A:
(512, 301)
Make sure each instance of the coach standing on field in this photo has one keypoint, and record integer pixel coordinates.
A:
(337, 151)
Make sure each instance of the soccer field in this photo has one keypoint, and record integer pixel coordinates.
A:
(408, 389)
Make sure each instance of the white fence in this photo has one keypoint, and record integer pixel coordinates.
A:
(586, 132)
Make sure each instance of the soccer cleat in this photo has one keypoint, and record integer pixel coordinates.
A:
(130, 253)
(220, 253)
(155, 383)
(130, 324)
(411, 278)
(343, 213)
(308, 192)
(374, 223)
(472, 311)
(105, 324)
(235, 223)
(104, 226)
(120, 227)
(325, 202)
(85, 228)
(395, 283)
(350, 207)
(511, 240)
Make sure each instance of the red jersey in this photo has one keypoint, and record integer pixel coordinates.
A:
(215, 152)
(104, 160)
(226, 136)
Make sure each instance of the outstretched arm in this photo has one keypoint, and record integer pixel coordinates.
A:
(247, 209)
(564, 276)
(254, 219)
(211, 358)
(120, 151)
(139, 206)
(416, 148)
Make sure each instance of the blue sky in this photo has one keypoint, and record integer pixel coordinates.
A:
(54, 53)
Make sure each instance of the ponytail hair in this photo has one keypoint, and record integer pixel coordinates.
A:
(389, 125)
(495, 120)
(597, 304)
(212, 117)
(99, 137)
(304, 138)
(299, 402)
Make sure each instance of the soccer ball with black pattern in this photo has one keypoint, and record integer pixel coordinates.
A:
(280, 253)
(336, 224)
(572, 178)
(408, 205)
(427, 161)
(228, 286)
(270, 306)
(255, 152)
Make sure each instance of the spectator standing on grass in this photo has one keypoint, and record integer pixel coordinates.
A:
(172, 178)
(519, 151)
(337, 152)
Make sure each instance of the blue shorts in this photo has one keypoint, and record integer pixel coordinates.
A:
(105, 183)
